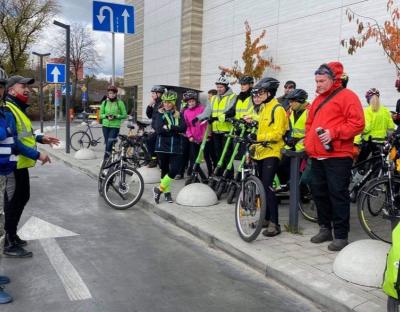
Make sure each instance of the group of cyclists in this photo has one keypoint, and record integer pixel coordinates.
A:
(178, 131)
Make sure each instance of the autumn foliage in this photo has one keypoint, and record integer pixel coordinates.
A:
(387, 34)
(254, 63)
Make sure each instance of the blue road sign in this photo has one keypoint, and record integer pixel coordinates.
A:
(113, 17)
(64, 88)
(55, 73)
(84, 96)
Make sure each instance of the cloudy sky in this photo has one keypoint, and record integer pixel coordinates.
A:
(80, 11)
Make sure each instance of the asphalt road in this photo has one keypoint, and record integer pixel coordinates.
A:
(124, 260)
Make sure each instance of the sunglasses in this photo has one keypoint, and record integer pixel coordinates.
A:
(257, 93)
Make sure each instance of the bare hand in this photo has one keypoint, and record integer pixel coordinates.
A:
(50, 140)
(248, 119)
(325, 137)
(44, 158)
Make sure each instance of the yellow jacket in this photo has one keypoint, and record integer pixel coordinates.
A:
(272, 133)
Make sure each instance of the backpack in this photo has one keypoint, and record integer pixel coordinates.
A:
(391, 280)
(288, 134)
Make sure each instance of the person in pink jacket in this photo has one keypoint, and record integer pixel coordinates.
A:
(195, 130)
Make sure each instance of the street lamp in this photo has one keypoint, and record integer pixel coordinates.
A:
(67, 85)
(41, 56)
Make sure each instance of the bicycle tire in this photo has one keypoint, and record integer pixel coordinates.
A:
(374, 224)
(112, 183)
(307, 206)
(102, 175)
(231, 194)
(393, 304)
(79, 140)
(247, 200)
(137, 154)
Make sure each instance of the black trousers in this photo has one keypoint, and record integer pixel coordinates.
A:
(330, 179)
(218, 142)
(267, 169)
(151, 144)
(185, 155)
(13, 207)
(110, 134)
(169, 164)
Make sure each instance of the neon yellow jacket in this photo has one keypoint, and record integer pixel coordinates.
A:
(272, 133)
(377, 124)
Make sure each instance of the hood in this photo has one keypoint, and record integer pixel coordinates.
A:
(227, 93)
(337, 69)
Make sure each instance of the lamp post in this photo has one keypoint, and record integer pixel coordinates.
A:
(67, 85)
(41, 56)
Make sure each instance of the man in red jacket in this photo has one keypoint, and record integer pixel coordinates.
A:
(335, 118)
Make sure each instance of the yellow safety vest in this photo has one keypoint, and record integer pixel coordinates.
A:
(25, 135)
(218, 109)
(298, 129)
(243, 108)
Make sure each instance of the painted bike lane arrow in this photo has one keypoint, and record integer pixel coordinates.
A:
(45, 232)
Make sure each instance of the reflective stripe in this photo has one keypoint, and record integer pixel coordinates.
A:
(13, 158)
(8, 140)
(5, 150)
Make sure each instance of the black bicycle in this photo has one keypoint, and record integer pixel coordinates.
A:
(85, 138)
(138, 151)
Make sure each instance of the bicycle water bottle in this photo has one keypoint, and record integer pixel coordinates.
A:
(328, 146)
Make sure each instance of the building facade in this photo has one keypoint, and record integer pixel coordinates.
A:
(182, 42)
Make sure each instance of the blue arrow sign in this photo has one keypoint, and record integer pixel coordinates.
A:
(113, 17)
(55, 73)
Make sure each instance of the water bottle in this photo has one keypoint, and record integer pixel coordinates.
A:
(328, 147)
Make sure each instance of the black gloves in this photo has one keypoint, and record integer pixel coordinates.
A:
(194, 120)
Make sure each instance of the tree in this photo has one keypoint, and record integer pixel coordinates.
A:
(21, 22)
(387, 35)
(254, 63)
(83, 53)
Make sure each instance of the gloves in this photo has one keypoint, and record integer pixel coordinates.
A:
(194, 120)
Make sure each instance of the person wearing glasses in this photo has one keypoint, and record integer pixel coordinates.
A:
(272, 126)
(334, 119)
(289, 86)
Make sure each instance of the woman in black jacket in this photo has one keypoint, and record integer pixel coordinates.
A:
(170, 127)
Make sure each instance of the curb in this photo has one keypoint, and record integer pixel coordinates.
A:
(299, 280)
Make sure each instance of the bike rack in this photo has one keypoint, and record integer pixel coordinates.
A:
(295, 158)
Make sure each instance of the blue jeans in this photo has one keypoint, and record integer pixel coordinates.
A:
(110, 134)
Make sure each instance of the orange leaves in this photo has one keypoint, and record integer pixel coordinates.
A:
(254, 63)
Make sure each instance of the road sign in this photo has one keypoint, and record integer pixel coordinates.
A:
(55, 73)
(113, 17)
(84, 96)
(64, 87)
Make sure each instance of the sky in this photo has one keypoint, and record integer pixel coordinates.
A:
(80, 11)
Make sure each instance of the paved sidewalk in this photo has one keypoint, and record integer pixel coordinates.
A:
(288, 258)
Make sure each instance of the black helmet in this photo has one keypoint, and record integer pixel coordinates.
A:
(298, 95)
(190, 95)
(158, 89)
(268, 84)
(246, 80)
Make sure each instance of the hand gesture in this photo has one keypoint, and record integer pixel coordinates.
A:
(44, 158)
(46, 139)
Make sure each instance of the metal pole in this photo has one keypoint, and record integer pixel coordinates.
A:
(41, 55)
(55, 108)
(113, 59)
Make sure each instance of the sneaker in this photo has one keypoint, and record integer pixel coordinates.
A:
(272, 230)
(20, 242)
(168, 197)
(15, 251)
(4, 297)
(4, 280)
(324, 235)
(338, 244)
(157, 194)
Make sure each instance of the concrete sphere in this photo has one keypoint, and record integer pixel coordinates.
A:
(85, 154)
(362, 262)
(150, 175)
(196, 195)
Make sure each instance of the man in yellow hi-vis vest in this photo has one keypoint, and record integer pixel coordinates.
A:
(17, 102)
(215, 113)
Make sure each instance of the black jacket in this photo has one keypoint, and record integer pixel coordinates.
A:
(169, 140)
(152, 110)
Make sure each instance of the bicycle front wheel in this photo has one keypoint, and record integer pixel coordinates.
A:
(123, 187)
(250, 209)
(79, 140)
(379, 202)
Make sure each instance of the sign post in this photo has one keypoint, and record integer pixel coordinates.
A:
(41, 56)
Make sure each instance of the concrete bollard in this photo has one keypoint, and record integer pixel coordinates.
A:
(362, 262)
(196, 195)
(85, 154)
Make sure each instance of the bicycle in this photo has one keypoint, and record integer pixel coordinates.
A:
(379, 201)
(84, 138)
(123, 185)
(138, 149)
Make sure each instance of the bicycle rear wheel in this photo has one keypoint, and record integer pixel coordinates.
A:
(123, 187)
(376, 204)
(307, 205)
(250, 209)
(137, 154)
(79, 140)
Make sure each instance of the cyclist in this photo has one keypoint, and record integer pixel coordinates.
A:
(378, 121)
(215, 112)
(151, 110)
(243, 104)
(272, 126)
(112, 112)
(298, 115)
(169, 126)
(289, 86)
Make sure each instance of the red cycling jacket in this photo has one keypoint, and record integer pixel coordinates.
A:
(343, 115)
